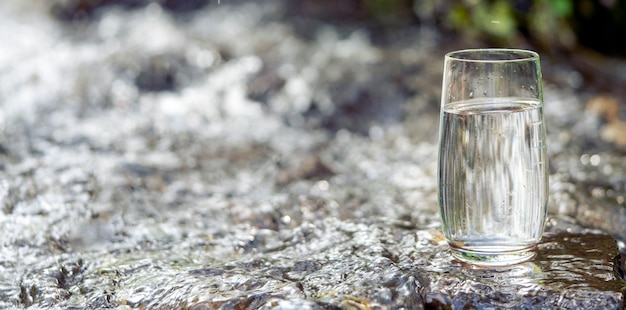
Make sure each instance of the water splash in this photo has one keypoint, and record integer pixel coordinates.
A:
(150, 159)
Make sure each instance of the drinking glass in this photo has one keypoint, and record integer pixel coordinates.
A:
(493, 168)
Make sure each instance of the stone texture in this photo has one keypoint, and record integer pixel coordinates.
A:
(236, 156)
(570, 271)
(335, 264)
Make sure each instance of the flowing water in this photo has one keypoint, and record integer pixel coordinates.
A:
(247, 155)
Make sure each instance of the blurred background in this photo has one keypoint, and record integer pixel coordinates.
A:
(580, 42)
(186, 133)
(580, 33)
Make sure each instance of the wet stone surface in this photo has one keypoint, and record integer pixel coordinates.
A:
(570, 271)
(244, 155)
(332, 263)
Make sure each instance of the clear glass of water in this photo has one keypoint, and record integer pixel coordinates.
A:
(493, 168)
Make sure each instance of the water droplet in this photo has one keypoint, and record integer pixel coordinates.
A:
(471, 94)
(484, 93)
(322, 185)
(595, 159)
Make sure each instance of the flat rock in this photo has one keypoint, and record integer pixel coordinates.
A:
(335, 264)
(570, 271)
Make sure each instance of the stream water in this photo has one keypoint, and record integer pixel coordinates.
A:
(235, 156)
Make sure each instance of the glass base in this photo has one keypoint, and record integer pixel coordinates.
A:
(492, 255)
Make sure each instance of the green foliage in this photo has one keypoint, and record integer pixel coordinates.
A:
(492, 19)
(552, 26)
(390, 12)
(562, 8)
(545, 22)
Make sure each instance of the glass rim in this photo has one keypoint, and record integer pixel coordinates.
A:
(480, 55)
